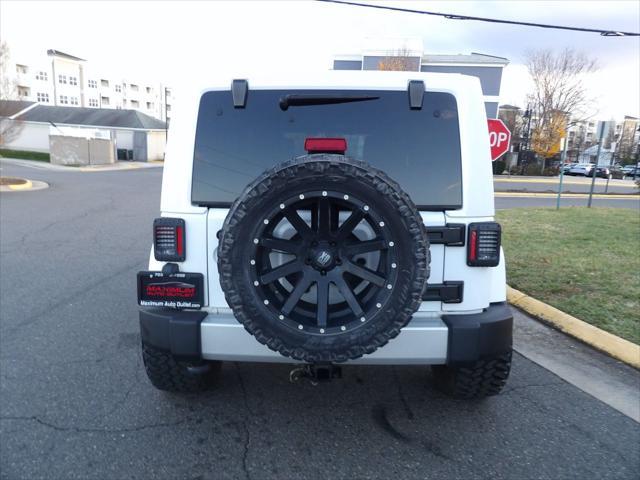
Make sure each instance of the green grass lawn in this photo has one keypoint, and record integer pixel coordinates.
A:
(24, 155)
(585, 262)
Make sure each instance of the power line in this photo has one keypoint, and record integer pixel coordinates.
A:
(453, 16)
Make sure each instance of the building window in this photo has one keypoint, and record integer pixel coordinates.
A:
(135, 104)
(134, 88)
(74, 100)
(149, 105)
(105, 101)
(168, 108)
(64, 100)
(93, 84)
(104, 83)
(42, 76)
(21, 69)
(149, 89)
(93, 102)
(73, 80)
(23, 92)
(118, 88)
(62, 79)
(43, 97)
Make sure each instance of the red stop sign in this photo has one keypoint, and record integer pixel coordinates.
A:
(499, 138)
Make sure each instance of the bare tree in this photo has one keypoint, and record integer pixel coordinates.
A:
(559, 95)
(9, 128)
(400, 60)
(8, 84)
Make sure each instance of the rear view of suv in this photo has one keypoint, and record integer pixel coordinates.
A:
(326, 221)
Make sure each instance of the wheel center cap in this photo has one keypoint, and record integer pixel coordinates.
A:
(323, 258)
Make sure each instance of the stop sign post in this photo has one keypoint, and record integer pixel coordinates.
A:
(499, 138)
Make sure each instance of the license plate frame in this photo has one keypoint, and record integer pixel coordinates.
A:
(170, 290)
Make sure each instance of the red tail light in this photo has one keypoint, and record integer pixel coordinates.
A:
(484, 244)
(325, 145)
(473, 245)
(169, 239)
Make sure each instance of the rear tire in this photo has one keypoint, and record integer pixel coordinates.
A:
(167, 373)
(481, 379)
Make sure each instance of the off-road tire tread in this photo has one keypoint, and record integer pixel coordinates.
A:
(483, 378)
(167, 373)
(325, 165)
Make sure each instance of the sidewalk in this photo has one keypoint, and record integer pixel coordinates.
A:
(129, 165)
(603, 377)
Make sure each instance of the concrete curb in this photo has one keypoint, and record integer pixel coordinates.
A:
(118, 166)
(606, 342)
(611, 196)
(29, 185)
(566, 181)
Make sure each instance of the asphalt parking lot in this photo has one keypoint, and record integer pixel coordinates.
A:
(76, 402)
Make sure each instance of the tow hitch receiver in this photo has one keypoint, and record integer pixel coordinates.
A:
(315, 373)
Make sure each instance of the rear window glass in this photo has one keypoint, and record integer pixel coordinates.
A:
(420, 149)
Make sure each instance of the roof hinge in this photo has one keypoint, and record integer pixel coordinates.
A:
(239, 91)
(416, 94)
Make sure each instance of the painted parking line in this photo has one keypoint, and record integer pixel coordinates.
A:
(555, 181)
(566, 195)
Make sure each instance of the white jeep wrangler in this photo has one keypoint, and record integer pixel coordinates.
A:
(342, 218)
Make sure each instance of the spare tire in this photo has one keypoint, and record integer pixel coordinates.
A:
(323, 258)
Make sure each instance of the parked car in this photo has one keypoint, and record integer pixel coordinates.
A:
(633, 172)
(567, 166)
(616, 172)
(603, 172)
(581, 169)
(290, 232)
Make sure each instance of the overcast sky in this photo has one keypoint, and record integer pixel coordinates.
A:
(175, 41)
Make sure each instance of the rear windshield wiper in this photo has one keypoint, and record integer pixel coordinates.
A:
(302, 100)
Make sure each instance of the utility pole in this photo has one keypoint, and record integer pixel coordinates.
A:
(593, 171)
(565, 141)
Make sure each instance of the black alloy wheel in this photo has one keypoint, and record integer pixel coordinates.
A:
(325, 254)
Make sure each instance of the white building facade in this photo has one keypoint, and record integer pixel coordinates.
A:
(60, 79)
(410, 56)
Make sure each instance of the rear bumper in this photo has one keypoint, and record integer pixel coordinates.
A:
(427, 339)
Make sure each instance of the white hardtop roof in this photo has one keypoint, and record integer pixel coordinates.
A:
(345, 79)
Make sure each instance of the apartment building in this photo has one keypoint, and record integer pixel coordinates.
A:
(61, 79)
(408, 54)
(620, 137)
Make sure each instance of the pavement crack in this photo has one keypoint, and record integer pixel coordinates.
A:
(64, 428)
(245, 425)
(403, 398)
(64, 301)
